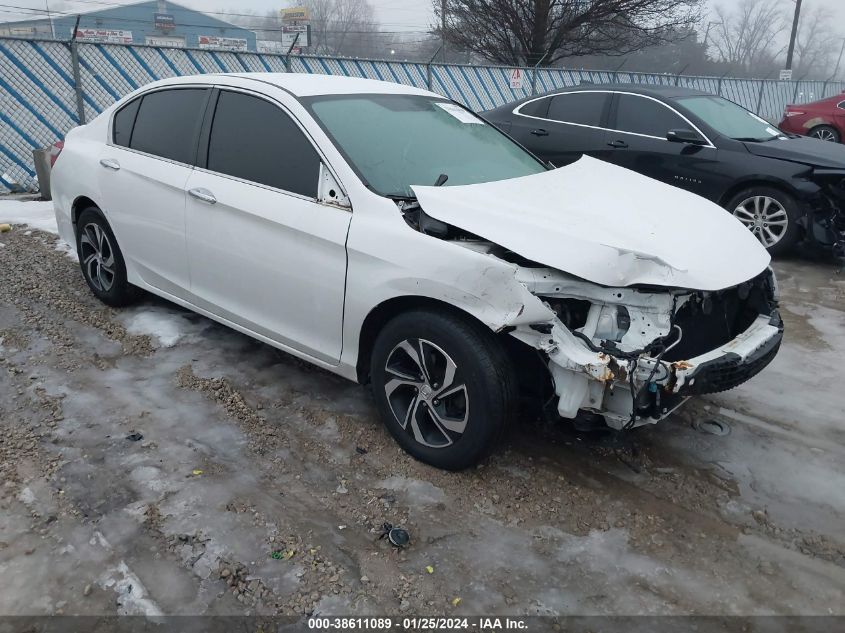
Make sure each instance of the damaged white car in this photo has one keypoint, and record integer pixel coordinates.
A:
(391, 236)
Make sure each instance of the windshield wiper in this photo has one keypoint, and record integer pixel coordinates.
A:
(441, 180)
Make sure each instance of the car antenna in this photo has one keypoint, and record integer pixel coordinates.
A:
(441, 180)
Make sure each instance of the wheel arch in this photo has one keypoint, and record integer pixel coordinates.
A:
(532, 373)
(758, 181)
(79, 205)
(379, 316)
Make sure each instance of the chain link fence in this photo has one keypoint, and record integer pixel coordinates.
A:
(48, 87)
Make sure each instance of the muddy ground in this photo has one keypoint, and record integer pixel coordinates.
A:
(152, 461)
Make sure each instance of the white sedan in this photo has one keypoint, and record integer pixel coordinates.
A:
(391, 236)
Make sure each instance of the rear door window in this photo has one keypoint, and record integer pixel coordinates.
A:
(168, 123)
(584, 108)
(256, 140)
(124, 120)
(640, 115)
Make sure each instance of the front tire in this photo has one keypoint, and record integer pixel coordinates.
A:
(444, 386)
(771, 215)
(101, 260)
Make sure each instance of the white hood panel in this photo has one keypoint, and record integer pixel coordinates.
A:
(606, 224)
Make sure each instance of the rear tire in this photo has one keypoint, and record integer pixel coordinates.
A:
(102, 261)
(771, 215)
(826, 133)
(444, 386)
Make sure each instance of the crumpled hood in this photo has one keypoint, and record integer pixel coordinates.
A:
(606, 224)
(809, 151)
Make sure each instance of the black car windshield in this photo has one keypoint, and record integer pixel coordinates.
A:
(729, 119)
(395, 141)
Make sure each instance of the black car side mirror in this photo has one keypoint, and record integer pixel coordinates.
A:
(690, 137)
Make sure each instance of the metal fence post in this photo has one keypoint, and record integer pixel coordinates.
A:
(428, 75)
(77, 78)
(760, 97)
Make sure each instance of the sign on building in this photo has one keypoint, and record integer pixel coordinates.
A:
(227, 43)
(164, 40)
(109, 36)
(271, 46)
(516, 78)
(164, 21)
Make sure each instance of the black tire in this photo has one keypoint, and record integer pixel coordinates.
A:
(108, 282)
(826, 133)
(791, 233)
(483, 369)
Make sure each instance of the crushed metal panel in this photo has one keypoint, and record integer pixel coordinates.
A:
(606, 224)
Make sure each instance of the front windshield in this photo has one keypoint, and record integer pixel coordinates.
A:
(729, 119)
(395, 141)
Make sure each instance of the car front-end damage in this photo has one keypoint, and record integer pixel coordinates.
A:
(633, 355)
(825, 220)
(630, 311)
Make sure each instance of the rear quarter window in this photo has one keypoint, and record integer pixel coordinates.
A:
(124, 120)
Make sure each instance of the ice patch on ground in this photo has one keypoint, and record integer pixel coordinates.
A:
(35, 214)
(163, 325)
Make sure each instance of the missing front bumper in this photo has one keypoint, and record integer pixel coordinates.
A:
(650, 394)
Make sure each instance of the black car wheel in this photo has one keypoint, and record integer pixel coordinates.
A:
(101, 260)
(826, 133)
(444, 387)
(771, 215)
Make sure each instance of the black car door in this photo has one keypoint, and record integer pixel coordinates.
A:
(638, 140)
(562, 127)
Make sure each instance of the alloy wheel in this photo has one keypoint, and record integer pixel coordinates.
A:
(765, 217)
(426, 393)
(824, 134)
(97, 256)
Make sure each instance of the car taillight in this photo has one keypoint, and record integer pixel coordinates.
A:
(56, 149)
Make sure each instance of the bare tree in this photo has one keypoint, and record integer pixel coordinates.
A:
(341, 27)
(747, 36)
(543, 31)
(817, 44)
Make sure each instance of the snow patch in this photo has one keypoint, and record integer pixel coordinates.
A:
(164, 326)
(35, 214)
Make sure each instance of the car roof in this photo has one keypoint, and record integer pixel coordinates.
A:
(305, 84)
(650, 90)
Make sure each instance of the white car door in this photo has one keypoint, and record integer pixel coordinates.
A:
(262, 251)
(143, 172)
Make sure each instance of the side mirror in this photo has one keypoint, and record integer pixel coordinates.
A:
(690, 137)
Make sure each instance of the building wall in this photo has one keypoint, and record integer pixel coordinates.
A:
(139, 19)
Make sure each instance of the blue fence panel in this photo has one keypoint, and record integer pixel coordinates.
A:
(38, 100)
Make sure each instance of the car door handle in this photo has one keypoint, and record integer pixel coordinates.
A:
(203, 194)
(539, 132)
(618, 144)
(110, 163)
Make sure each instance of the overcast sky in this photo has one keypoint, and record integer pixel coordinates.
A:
(394, 15)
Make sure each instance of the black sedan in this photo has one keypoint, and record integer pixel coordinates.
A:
(784, 188)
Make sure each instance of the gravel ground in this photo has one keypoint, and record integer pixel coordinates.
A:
(152, 461)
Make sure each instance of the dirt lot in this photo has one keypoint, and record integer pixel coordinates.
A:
(257, 484)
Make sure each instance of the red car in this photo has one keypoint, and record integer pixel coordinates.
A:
(823, 119)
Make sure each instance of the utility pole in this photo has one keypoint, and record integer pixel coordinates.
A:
(794, 35)
(443, 28)
(839, 61)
